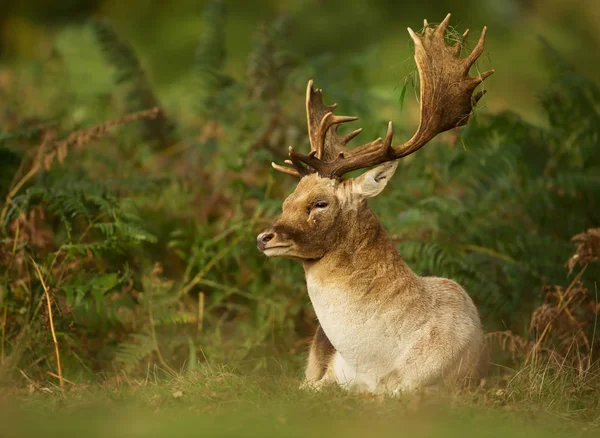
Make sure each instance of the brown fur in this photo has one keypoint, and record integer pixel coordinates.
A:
(319, 356)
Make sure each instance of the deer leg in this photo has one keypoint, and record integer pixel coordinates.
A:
(319, 357)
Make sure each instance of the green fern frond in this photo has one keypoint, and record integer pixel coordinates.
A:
(270, 62)
(130, 74)
(211, 56)
(137, 348)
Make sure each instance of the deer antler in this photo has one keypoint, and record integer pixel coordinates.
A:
(325, 143)
(446, 102)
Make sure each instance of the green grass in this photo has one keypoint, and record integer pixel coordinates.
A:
(214, 401)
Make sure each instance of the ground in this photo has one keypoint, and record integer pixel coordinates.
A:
(214, 401)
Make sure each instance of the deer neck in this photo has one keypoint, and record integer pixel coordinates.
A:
(359, 291)
(364, 262)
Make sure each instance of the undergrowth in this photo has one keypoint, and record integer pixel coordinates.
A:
(220, 401)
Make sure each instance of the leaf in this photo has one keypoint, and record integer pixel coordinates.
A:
(403, 93)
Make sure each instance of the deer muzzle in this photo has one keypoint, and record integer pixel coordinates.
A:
(263, 239)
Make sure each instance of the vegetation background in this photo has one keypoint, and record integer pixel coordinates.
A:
(135, 142)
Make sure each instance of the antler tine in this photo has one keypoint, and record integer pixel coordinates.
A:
(479, 95)
(460, 42)
(346, 138)
(478, 50)
(326, 143)
(483, 76)
(316, 110)
(441, 29)
(298, 169)
(297, 161)
(327, 122)
(414, 37)
(285, 169)
(388, 137)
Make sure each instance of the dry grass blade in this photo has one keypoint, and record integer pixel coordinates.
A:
(5, 314)
(49, 302)
(200, 312)
(50, 373)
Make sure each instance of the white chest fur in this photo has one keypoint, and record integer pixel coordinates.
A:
(408, 336)
(361, 332)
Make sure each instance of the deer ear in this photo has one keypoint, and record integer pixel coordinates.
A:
(372, 182)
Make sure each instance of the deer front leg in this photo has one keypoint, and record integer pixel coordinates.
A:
(318, 370)
(316, 385)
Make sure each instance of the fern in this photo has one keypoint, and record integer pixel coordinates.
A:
(160, 307)
(140, 96)
(211, 57)
(106, 225)
(137, 348)
(270, 63)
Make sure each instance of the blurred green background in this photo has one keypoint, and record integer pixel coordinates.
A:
(165, 34)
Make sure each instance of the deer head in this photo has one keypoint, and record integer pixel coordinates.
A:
(326, 210)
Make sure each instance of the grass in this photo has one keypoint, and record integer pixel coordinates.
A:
(217, 401)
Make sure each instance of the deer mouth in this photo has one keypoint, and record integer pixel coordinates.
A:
(276, 250)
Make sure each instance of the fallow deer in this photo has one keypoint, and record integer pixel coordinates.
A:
(383, 328)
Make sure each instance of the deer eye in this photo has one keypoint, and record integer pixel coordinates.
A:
(321, 204)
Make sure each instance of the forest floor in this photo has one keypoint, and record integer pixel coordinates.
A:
(217, 402)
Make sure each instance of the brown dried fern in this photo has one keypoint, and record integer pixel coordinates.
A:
(564, 325)
(80, 138)
(588, 249)
(51, 151)
(507, 341)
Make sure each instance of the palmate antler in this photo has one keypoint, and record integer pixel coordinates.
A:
(446, 102)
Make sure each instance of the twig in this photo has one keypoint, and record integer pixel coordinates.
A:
(490, 252)
(60, 376)
(200, 275)
(3, 334)
(161, 358)
(595, 327)
(50, 373)
(200, 311)
(26, 377)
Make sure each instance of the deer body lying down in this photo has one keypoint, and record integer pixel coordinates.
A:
(383, 329)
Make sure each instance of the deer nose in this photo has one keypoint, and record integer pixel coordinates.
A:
(263, 238)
